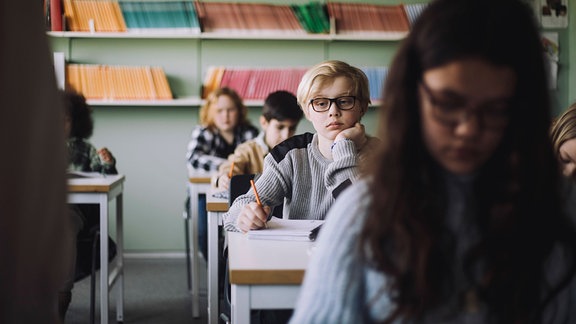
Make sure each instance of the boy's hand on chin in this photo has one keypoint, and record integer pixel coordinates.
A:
(357, 134)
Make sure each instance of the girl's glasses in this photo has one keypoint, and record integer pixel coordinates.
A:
(453, 111)
(323, 104)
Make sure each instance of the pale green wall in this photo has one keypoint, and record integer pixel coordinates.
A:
(150, 142)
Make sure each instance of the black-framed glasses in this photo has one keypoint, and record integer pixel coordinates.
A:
(453, 111)
(323, 104)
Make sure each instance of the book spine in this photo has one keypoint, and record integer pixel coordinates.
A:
(56, 15)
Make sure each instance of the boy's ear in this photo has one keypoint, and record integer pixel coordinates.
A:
(263, 122)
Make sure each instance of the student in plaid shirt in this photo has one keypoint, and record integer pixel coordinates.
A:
(223, 125)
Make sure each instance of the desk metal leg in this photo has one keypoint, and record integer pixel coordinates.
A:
(240, 304)
(120, 258)
(193, 247)
(213, 267)
(104, 259)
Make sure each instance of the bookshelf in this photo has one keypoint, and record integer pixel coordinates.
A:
(186, 57)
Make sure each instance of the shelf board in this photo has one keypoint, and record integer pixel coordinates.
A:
(252, 35)
(181, 102)
(125, 35)
(370, 36)
(264, 35)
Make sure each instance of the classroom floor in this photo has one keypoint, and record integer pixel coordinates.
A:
(155, 292)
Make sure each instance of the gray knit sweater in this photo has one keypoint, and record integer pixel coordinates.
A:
(298, 175)
(341, 287)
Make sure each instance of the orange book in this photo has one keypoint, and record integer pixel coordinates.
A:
(92, 10)
(90, 72)
(105, 16)
(132, 83)
(72, 78)
(213, 80)
(119, 84)
(82, 8)
(69, 15)
(111, 81)
(161, 84)
(117, 17)
(144, 83)
(77, 8)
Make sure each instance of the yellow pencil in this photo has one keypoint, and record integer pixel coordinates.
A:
(258, 201)
(231, 170)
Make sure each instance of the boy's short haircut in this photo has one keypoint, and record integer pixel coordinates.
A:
(281, 105)
(328, 71)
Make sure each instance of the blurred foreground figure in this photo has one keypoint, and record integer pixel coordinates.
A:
(34, 225)
(461, 218)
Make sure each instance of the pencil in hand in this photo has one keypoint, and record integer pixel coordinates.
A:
(258, 201)
(231, 172)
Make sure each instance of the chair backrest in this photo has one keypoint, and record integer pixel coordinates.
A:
(239, 185)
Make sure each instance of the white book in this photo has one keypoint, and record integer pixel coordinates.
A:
(60, 69)
(287, 230)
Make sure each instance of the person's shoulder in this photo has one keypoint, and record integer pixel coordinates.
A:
(199, 129)
(301, 141)
(248, 145)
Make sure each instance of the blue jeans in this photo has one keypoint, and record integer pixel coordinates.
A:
(203, 226)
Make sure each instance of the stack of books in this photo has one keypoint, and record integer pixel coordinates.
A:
(358, 18)
(253, 83)
(247, 17)
(160, 16)
(94, 16)
(103, 82)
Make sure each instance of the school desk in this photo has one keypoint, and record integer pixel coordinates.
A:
(216, 208)
(101, 190)
(264, 274)
(198, 183)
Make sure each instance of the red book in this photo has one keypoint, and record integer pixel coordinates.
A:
(56, 15)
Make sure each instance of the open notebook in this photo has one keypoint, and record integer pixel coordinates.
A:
(82, 174)
(288, 230)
